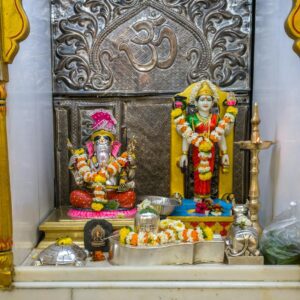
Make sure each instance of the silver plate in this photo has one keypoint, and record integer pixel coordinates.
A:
(163, 205)
(171, 254)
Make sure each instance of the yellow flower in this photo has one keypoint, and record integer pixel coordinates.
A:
(79, 151)
(205, 176)
(208, 233)
(164, 224)
(177, 225)
(123, 234)
(232, 110)
(64, 241)
(99, 178)
(97, 206)
(205, 146)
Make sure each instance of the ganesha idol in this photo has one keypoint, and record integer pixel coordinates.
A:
(106, 180)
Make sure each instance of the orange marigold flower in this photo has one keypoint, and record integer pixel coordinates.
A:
(195, 236)
(134, 240)
(184, 234)
(213, 138)
(183, 128)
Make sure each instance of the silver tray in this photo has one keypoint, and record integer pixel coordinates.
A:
(170, 254)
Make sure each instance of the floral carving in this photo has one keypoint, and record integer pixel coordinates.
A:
(80, 64)
(224, 31)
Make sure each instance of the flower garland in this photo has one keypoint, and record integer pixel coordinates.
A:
(171, 231)
(203, 143)
(98, 179)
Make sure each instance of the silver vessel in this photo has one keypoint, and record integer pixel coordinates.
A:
(146, 222)
(163, 205)
(62, 255)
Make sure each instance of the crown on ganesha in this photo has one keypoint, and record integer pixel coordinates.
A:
(104, 124)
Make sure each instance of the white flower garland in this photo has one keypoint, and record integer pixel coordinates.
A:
(205, 144)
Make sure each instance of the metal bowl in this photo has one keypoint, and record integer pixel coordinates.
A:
(163, 205)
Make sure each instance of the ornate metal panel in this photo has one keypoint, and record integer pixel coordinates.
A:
(241, 158)
(149, 121)
(62, 121)
(143, 46)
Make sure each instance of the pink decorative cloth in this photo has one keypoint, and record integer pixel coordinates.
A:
(103, 119)
(104, 214)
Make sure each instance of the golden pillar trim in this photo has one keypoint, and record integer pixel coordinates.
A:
(292, 25)
(14, 27)
(255, 145)
(7, 270)
(6, 258)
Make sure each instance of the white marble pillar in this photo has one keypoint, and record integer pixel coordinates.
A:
(30, 133)
(277, 90)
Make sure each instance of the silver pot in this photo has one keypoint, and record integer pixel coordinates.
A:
(163, 205)
(146, 222)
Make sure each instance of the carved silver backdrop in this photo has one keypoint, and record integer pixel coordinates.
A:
(132, 56)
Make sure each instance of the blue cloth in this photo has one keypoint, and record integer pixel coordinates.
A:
(188, 204)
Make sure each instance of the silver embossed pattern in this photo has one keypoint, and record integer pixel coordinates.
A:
(142, 46)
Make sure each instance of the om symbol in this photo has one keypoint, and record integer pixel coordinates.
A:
(152, 41)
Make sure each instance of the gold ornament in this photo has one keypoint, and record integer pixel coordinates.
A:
(205, 90)
(102, 132)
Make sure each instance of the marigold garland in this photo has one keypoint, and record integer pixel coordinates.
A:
(203, 143)
(171, 231)
(98, 179)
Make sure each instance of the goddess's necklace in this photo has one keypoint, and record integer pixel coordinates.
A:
(202, 119)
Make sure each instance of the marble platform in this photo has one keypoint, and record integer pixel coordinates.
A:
(100, 280)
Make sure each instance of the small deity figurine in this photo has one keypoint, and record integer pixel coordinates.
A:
(102, 174)
(203, 129)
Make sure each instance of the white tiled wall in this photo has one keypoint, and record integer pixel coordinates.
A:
(30, 133)
(277, 90)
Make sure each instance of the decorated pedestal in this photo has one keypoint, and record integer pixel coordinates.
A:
(187, 214)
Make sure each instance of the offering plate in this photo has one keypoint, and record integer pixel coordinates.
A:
(168, 254)
(163, 205)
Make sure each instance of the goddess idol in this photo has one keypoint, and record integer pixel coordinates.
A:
(106, 180)
(202, 128)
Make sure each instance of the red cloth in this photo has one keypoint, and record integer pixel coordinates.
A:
(83, 199)
(125, 199)
(201, 187)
